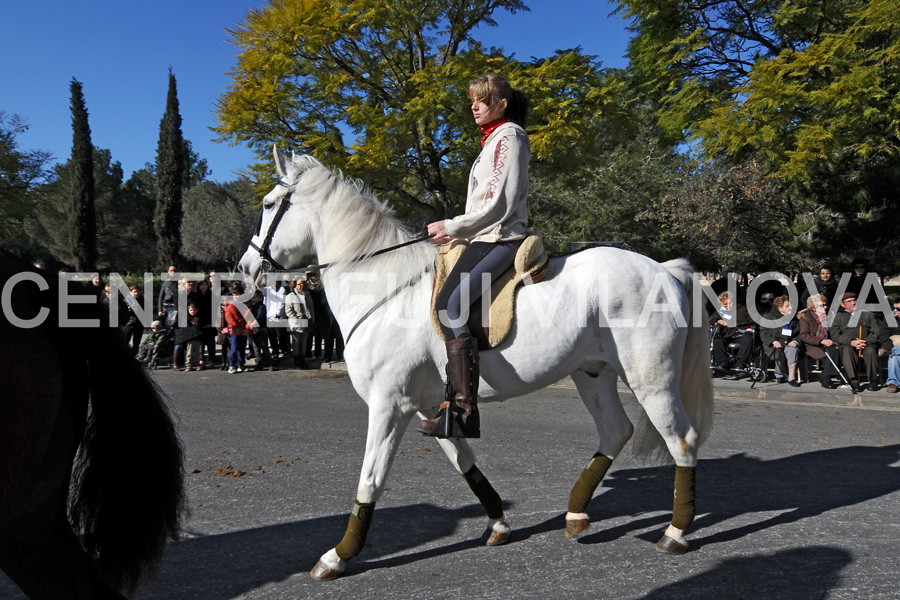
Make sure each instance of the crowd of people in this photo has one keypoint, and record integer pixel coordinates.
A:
(287, 321)
(847, 347)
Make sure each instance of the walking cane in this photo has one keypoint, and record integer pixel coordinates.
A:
(839, 372)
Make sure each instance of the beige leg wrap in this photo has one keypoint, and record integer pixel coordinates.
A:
(684, 509)
(357, 531)
(590, 478)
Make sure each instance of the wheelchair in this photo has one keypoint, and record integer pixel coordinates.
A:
(756, 368)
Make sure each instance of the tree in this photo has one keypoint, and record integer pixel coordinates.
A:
(82, 225)
(217, 221)
(377, 88)
(171, 167)
(807, 89)
(20, 171)
(616, 197)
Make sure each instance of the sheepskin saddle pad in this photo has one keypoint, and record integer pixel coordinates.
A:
(530, 265)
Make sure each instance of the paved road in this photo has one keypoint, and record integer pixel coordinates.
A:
(798, 498)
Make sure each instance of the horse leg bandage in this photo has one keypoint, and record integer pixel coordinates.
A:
(590, 478)
(485, 492)
(684, 507)
(357, 531)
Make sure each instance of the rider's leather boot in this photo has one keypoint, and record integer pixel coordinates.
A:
(458, 417)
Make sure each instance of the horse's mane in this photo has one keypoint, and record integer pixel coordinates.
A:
(355, 224)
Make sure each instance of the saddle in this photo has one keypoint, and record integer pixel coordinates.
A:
(531, 262)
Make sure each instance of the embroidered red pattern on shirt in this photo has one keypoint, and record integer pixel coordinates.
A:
(499, 163)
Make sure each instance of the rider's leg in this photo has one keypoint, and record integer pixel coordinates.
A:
(459, 412)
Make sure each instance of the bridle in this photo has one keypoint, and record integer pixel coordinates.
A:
(267, 262)
(264, 254)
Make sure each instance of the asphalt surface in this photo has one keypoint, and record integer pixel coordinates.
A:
(798, 498)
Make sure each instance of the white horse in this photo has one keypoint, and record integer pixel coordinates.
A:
(599, 315)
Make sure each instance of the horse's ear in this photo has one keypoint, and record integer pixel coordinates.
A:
(281, 161)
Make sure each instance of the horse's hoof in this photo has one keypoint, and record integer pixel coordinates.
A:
(576, 527)
(668, 545)
(498, 533)
(329, 567)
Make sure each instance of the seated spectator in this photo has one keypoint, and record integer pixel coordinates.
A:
(814, 334)
(782, 344)
(732, 325)
(858, 342)
(891, 343)
(151, 342)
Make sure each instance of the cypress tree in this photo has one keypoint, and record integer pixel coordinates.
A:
(171, 159)
(82, 214)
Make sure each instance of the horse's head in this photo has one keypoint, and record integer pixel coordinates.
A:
(284, 232)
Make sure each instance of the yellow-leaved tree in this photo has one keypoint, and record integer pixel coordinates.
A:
(377, 88)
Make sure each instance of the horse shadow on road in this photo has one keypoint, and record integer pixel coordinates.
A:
(795, 487)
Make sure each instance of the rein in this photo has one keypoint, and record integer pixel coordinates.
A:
(421, 238)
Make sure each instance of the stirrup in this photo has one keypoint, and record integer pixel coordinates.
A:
(444, 427)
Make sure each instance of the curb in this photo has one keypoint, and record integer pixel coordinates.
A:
(807, 393)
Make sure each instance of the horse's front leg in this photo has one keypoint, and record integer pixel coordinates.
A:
(461, 455)
(386, 427)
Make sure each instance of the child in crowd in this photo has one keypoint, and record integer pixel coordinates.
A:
(151, 342)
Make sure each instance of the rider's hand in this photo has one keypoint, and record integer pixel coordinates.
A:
(438, 233)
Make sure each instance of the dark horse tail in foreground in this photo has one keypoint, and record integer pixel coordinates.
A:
(91, 468)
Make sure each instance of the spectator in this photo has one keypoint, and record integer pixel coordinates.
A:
(891, 344)
(168, 294)
(321, 315)
(279, 338)
(782, 344)
(151, 342)
(860, 267)
(826, 284)
(237, 315)
(188, 338)
(296, 307)
(202, 297)
(732, 324)
(814, 334)
(857, 342)
(133, 328)
(259, 335)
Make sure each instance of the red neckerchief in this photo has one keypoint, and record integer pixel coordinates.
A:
(488, 129)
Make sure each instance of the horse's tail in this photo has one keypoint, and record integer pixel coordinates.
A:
(696, 383)
(127, 498)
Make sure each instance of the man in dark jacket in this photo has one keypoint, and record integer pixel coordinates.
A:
(858, 341)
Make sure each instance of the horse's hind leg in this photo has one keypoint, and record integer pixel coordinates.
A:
(666, 413)
(600, 396)
(460, 454)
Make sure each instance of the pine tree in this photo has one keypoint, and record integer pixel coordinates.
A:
(171, 159)
(82, 214)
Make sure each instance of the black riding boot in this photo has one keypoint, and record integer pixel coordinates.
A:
(458, 417)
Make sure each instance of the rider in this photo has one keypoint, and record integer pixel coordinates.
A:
(494, 223)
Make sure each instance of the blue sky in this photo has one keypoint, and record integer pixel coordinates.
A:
(121, 52)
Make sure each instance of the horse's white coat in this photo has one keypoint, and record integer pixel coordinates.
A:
(599, 315)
